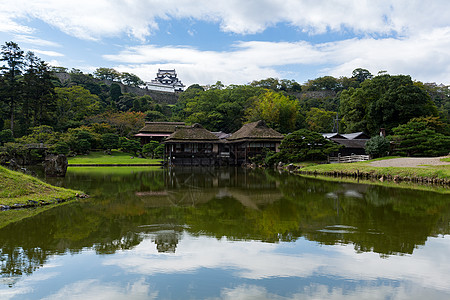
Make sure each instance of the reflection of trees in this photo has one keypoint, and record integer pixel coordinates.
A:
(373, 218)
(233, 203)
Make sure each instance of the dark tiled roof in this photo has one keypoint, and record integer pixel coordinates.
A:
(161, 127)
(194, 133)
(255, 131)
(356, 143)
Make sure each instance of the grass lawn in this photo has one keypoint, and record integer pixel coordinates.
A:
(18, 188)
(111, 170)
(441, 172)
(116, 158)
(446, 159)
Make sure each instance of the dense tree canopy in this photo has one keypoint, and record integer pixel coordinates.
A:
(384, 101)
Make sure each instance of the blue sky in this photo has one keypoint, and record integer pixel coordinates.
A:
(233, 41)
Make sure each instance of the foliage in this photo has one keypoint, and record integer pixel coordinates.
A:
(74, 103)
(377, 146)
(107, 74)
(60, 148)
(110, 141)
(320, 120)
(384, 101)
(153, 149)
(216, 109)
(131, 79)
(13, 57)
(420, 137)
(278, 111)
(361, 75)
(6, 136)
(278, 85)
(124, 124)
(129, 145)
(304, 145)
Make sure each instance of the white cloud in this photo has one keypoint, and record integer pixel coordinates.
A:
(47, 53)
(423, 56)
(27, 39)
(94, 289)
(95, 19)
(257, 260)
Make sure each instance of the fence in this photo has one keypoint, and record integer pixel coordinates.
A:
(348, 159)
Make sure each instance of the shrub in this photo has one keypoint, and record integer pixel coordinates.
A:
(377, 146)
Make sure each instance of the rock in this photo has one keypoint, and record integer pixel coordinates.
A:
(56, 165)
(290, 167)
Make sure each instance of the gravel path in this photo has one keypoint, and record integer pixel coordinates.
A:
(410, 162)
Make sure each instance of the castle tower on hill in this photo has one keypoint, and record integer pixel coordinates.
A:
(166, 81)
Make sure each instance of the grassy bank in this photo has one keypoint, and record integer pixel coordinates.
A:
(116, 158)
(17, 189)
(436, 174)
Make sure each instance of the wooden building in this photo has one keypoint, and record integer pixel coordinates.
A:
(157, 131)
(250, 140)
(354, 143)
(192, 145)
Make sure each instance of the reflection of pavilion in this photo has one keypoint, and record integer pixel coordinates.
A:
(195, 186)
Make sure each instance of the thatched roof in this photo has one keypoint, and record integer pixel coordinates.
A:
(160, 127)
(192, 134)
(255, 131)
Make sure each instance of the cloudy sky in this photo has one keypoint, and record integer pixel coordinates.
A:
(236, 41)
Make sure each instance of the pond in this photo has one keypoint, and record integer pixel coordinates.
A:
(200, 233)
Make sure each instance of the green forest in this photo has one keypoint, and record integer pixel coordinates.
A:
(90, 111)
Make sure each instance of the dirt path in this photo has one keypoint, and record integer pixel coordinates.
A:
(410, 162)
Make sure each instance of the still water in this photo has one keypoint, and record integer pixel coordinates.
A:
(228, 234)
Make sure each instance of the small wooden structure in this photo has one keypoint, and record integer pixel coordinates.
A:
(192, 145)
(354, 143)
(157, 131)
(251, 140)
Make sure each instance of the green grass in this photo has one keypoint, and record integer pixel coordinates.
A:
(110, 170)
(441, 172)
(116, 158)
(446, 159)
(17, 188)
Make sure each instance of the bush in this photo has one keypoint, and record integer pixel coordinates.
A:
(377, 146)
(128, 145)
(110, 141)
(153, 149)
(303, 145)
(6, 136)
(60, 148)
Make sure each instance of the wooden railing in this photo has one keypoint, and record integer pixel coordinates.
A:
(348, 159)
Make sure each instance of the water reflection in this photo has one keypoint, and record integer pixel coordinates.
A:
(251, 225)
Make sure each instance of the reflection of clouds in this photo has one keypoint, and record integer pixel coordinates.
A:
(22, 285)
(257, 260)
(93, 289)
(324, 292)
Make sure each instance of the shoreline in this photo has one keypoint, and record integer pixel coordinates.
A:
(390, 170)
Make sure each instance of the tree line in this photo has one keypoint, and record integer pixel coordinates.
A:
(32, 96)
